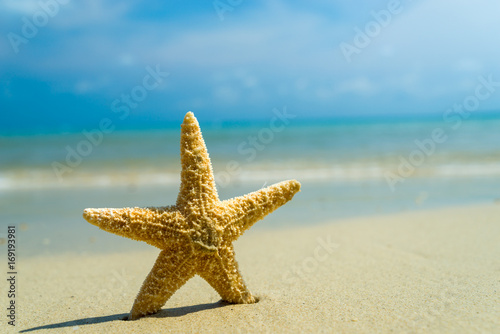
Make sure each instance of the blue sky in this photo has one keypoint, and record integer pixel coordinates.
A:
(242, 63)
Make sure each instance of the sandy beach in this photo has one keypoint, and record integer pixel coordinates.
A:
(335, 163)
(419, 272)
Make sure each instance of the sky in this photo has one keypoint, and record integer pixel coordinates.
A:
(65, 65)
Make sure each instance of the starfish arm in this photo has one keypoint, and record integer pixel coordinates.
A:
(221, 272)
(172, 269)
(154, 226)
(242, 212)
(197, 190)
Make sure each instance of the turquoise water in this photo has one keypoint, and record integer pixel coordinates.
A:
(346, 169)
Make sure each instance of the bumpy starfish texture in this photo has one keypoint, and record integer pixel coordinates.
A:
(196, 234)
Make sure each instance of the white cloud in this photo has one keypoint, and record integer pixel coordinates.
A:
(358, 86)
(92, 13)
(431, 49)
(468, 65)
(440, 32)
(24, 7)
(226, 94)
(85, 86)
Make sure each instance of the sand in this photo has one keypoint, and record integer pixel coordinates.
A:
(420, 272)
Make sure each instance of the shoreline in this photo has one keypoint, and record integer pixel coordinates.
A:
(423, 271)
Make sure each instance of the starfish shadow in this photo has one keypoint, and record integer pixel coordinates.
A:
(164, 313)
(182, 311)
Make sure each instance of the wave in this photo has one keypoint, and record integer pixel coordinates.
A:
(25, 179)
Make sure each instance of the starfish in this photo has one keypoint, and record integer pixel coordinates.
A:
(196, 234)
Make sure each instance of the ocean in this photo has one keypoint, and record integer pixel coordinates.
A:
(347, 168)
